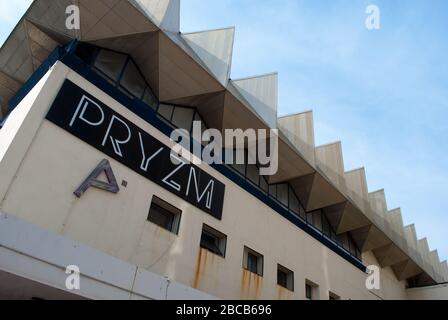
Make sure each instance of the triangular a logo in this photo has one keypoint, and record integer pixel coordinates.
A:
(92, 180)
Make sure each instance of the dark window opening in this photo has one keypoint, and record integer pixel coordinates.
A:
(253, 261)
(311, 290)
(213, 241)
(285, 278)
(164, 215)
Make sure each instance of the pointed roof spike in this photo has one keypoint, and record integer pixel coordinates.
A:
(299, 129)
(261, 93)
(164, 13)
(215, 49)
(423, 248)
(378, 203)
(377, 209)
(329, 159)
(296, 114)
(423, 244)
(411, 236)
(435, 262)
(395, 219)
(357, 186)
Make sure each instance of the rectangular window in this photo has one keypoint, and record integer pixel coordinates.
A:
(343, 240)
(352, 245)
(133, 81)
(166, 111)
(253, 173)
(326, 227)
(282, 194)
(253, 261)
(150, 99)
(311, 290)
(164, 215)
(238, 155)
(213, 241)
(273, 191)
(285, 278)
(111, 63)
(241, 168)
(317, 219)
(294, 204)
(264, 184)
(309, 218)
(183, 118)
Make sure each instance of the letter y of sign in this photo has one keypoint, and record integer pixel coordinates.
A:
(111, 185)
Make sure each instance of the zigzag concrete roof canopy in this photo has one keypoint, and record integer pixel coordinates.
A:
(193, 69)
(299, 131)
(425, 254)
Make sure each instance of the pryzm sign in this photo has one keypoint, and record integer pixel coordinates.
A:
(90, 120)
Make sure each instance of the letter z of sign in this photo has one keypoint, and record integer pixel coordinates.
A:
(167, 180)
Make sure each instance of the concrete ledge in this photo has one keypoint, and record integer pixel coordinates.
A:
(30, 252)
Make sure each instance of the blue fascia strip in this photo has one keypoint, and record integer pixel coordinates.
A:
(149, 115)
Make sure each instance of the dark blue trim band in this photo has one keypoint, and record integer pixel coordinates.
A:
(67, 57)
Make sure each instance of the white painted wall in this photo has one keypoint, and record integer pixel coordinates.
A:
(431, 293)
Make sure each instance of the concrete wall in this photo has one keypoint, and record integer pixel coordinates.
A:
(45, 164)
(431, 293)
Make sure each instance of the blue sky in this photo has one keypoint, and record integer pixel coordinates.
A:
(383, 93)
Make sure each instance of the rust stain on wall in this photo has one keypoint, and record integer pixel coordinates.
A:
(201, 266)
(279, 293)
(284, 294)
(251, 285)
(258, 280)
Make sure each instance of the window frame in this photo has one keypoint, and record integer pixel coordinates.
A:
(218, 235)
(289, 277)
(166, 207)
(260, 261)
(314, 290)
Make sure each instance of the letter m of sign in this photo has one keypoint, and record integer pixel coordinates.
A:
(207, 191)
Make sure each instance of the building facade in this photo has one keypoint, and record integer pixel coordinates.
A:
(88, 186)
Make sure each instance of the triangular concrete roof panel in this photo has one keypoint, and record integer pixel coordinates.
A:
(357, 187)
(299, 129)
(330, 161)
(261, 93)
(163, 13)
(215, 49)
